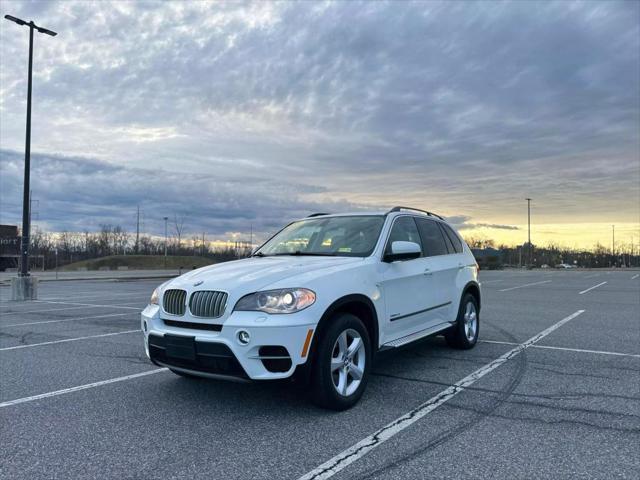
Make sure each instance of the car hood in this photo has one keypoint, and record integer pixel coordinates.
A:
(256, 273)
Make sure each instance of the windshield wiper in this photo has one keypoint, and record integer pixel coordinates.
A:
(258, 254)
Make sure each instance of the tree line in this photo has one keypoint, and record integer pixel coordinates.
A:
(71, 247)
(62, 248)
(490, 255)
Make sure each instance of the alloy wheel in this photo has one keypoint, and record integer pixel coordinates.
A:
(348, 359)
(470, 321)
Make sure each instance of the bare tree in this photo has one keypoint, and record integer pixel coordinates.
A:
(194, 243)
(479, 242)
(179, 226)
(120, 239)
(104, 240)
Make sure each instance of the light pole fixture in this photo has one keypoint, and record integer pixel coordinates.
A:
(26, 227)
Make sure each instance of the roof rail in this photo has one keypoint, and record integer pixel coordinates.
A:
(398, 209)
(319, 214)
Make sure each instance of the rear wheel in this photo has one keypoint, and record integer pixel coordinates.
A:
(464, 334)
(341, 364)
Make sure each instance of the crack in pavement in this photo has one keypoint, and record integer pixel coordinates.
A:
(559, 396)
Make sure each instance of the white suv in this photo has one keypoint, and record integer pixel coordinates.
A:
(319, 299)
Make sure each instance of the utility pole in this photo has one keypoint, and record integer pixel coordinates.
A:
(529, 230)
(26, 289)
(251, 240)
(137, 230)
(613, 243)
(202, 251)
(165, 241)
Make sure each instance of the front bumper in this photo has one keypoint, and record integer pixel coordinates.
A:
(278, 344)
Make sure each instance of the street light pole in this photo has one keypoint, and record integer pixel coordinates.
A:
(24, 289)
(26, 220)
(26, 224)
(529, 230)
(613, 243)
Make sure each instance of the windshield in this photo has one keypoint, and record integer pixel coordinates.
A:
(352, 236)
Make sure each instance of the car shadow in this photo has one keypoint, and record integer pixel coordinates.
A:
(280, 396)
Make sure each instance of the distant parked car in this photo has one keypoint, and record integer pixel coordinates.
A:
(319, 299)
(565, 266)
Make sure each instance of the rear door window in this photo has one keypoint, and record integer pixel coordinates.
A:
(433, 241)
(453, 237)
(447, 241)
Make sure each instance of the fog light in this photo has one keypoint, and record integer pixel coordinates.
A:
(243, 337)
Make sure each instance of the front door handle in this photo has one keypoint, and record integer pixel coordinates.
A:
(460, 266)
(428, 272)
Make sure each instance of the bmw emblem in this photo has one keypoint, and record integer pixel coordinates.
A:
(198, 283)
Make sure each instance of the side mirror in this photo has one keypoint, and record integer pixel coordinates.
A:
(403, 251)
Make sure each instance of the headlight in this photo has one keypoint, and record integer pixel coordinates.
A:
(287, 300)
(155, 297)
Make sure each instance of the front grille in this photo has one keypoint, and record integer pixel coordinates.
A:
(194, 326)
(173, 301)
(207, 303)
(210, 357)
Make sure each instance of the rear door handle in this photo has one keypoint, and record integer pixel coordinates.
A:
(428, 272)
(460, 266)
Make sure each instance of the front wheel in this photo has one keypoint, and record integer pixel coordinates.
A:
(341, 364)
(464, 334)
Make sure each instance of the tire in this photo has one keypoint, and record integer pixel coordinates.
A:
(464, 334)
(333, 383)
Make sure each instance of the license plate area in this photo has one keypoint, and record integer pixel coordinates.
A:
(180, 347)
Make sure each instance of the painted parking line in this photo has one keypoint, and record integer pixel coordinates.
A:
(88, 304)
(591, 288)
(360, 449)
(44, 310)
(525, 285)
(113, 305)
(593, 275)
(72, 319)
(97, 295)
(635, 276)
(567, 349)
(81, 387)
(491, 281)
(73, 296)
(70, 290)
(19, 347)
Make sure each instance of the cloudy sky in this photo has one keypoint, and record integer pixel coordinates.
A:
(251, 114)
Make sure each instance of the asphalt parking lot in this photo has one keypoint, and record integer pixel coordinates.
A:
(551, 391)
